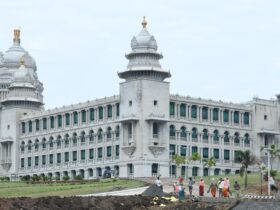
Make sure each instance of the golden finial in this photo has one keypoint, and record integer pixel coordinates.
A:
(16, 34)
(144, 22)
(22, 61)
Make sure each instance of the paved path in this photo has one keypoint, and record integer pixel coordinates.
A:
(134, 191)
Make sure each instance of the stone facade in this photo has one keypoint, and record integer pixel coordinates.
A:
(134, 134)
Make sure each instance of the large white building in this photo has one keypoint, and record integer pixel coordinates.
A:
(134, 133)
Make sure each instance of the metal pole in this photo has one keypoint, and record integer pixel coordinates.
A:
(268, 173)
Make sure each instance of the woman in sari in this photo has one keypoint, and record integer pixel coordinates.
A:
(213, 188)
(201, 187)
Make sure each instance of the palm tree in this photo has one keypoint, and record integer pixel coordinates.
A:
(209, 163)
(246, 159)
(195, 156)
(178, 160)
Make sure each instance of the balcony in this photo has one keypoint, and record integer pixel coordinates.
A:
(236, 144)
(227, 143)
(216, 142)
(194, 140)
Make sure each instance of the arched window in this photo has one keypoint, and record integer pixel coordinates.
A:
(236, 138)
(216, 135)
(226, 137)
(29, 145)
(23, 127)
(183, 110)
(22, 146)
(74, 139)
(75, 116)
(194, 111)
(36, 144)
(172, 131)
(183, 132)
(37, 122)
(91, 135)
(67, 119)
(100, 134)
(51, 142)
(58, 141)
(100, 113)
(109, 133)
(215, 114)
(66, 140)
(205, 134)
(225, 115)
(246, 139)
(59, 121)
(194, 133)
(109, 111)
(236, 117)
(44, 143)
(246, 118)
(30, 126)
(205, 113)
(84, 116)
(83, 137)
(117, 131)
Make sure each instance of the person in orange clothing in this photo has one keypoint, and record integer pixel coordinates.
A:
(213, 188)
(201, 187)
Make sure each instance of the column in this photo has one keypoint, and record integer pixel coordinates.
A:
(209, 119)
(211, 115)
(250, 120)
(241, 119)
(189, 112)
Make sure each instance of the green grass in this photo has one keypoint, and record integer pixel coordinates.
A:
(20, 189)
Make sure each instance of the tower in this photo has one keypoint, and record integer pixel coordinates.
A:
(144, 108)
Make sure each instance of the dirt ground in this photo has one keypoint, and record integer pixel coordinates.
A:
(136, 202)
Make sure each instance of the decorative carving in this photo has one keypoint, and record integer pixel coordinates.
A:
(129, 150)
(156, 150)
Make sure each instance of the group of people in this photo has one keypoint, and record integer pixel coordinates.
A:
(222, 187)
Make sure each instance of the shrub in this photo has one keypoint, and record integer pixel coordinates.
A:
(66, 178)
(78, 178)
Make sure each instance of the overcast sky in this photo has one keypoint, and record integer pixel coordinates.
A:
(224, 50)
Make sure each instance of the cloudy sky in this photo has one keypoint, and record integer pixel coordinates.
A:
(224, 50)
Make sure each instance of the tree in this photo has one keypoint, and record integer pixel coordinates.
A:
(195, 156)
(178, 160)
(246, 159)
(209, 163)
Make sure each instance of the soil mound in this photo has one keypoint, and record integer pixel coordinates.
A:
(154, 190)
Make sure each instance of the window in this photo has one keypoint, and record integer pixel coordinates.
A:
(265, 117)
(66, 140)
(205, 134)
(75, 116)
(172, 108)
(83, 154)
(52, 121)
(155, 129)
(194, 149)
(58, 142)
(83, 138)
(226, 154)
(36, 144)
(44, 159)
(172, 149)
(130, 103)
(23, 127)
(44, 143)
(109, 133)
(100, 113)
(51, 142)
(100, 134)
(59, 121)
(44, 123)
(109, 111)
(194, 111)
(74, 139)
(237, 156)
(117, 131)
(172, 131)
(183, 110)
(29, 145)
(29, 163)
(183, 150)
(30, 126)
(37, 125)
(99, 152)
(215, 114)
(155, 103)
(226, 137)
(22, 162)
(51, 159)
(265, 140)
(118, 109)
(194, 133)
(247, 140)
(236, 138)
(109, 151)
(84, 116)
(216, 153)
(58, 157)
(91, 114)
(205, 113)
(205, 152)
(236, 117)
(216, 135)
(22, 146)
(74, 155)
(117, 150)
(91, 154)
(246, 118)
(36, 160)
(67, 119)
(66, 156)
(226, 115)
(183, 133)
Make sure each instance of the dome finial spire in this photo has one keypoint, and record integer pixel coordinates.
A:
(22, 61)
(17, 35)
(144, 22)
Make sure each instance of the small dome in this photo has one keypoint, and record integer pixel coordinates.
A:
(22, 74)
(11, 58)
